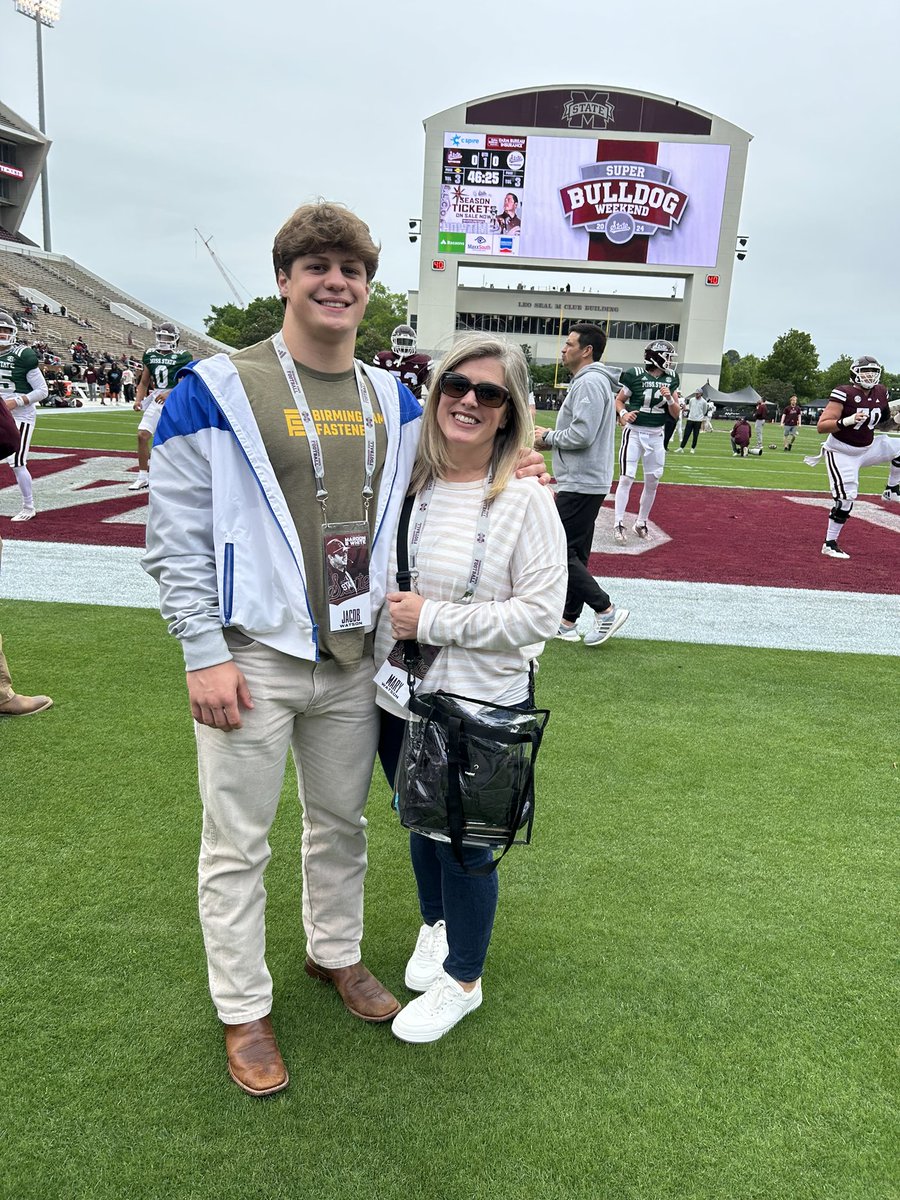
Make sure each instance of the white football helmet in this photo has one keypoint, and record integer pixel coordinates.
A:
(865, 372)
(660, 354)
(167, 336)
(8, 331)
(403, 341)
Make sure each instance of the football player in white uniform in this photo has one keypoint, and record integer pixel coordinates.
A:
(22, 385)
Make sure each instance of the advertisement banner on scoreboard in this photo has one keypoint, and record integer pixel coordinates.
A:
(582, 199)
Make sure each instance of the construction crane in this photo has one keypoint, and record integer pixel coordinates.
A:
(222, 270)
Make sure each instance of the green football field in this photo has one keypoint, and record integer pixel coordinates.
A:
(712, 464)
(690, 995)
(690, 987)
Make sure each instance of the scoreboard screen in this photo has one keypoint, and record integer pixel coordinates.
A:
(582, 199)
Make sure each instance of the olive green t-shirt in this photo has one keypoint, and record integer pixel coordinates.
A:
(337, 412)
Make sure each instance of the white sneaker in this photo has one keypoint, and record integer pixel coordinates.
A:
(891, 493)
(829, 549)
(619, 535)
(680, 450)
(139, 485)
(433, 1014)
(642, 530)
(567, 633)
(693, 452)
(607, 624)
(25, 515)
(427, 961)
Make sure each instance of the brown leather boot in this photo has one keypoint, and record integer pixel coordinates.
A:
(24, 706)
(360, 991)
(254, 1060)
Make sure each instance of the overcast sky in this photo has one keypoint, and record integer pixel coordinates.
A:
(166, 115)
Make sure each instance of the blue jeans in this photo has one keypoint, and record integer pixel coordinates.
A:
(467, 903)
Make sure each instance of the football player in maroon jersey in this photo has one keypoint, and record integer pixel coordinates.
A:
(404, 363)
(852, 414)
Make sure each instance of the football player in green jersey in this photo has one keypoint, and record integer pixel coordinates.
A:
(22, 385)
(645, 395)
(160, 373)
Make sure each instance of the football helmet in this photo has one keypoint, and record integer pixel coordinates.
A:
(865, 372)
(403, 341)
(8, 331)
(660, 354)
(167, 336)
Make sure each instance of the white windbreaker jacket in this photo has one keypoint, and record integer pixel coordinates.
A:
(220, 539)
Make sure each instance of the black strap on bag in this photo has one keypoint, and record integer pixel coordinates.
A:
(404, 576)
(457, 743)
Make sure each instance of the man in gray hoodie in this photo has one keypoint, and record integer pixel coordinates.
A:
(583, 445)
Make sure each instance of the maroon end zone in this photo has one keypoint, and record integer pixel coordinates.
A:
(80, 496)
(718, 535)
(764, 538)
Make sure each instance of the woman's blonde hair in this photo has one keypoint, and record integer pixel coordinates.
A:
(433, 457)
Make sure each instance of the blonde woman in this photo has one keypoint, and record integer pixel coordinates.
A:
(473, 520)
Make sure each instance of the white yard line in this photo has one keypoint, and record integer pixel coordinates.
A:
(718, 614)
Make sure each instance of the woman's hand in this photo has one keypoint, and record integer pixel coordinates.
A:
(404, 612)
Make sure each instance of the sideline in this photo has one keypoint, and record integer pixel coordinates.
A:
(717, 614)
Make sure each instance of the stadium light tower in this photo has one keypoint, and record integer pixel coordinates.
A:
(42, 12)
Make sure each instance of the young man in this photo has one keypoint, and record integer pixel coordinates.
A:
(760, 416)
(791, 420)
(646, 394)
(850, 418)
(583, 445)
(696, 413)
(22, 386)
(403, 361)
(262, 461)
(160, 371)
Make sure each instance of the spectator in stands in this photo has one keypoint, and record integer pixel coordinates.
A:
(90, 378)
(128, 384)
(740, 437)
(114, 382)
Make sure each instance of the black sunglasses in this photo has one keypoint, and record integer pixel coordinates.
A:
(454, 385)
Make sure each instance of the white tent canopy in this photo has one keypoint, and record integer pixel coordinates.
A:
(746, 396)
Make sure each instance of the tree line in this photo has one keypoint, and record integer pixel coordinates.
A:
(791, 368)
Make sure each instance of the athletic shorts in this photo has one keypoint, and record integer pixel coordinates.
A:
(150, 419)
(641, 443)
(20, 458)
(845, 464)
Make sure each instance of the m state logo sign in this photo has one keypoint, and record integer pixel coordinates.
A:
(582, 111)
(623, 200)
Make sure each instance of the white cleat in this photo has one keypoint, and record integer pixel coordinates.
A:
(642, 531)
(833, 550)
(619, 535)
(891, 493)
(139, 485)
(25, 515)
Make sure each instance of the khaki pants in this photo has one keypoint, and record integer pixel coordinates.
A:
(6, 687)
(328, 719)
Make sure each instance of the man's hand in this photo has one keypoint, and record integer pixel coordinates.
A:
(857, 418)
(531, 464)
(217, 694)
(626, 417)
(404, 612)
(136, 406)
(539, 437)
(11, 402)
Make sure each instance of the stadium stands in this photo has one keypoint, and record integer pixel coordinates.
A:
(87, 305)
